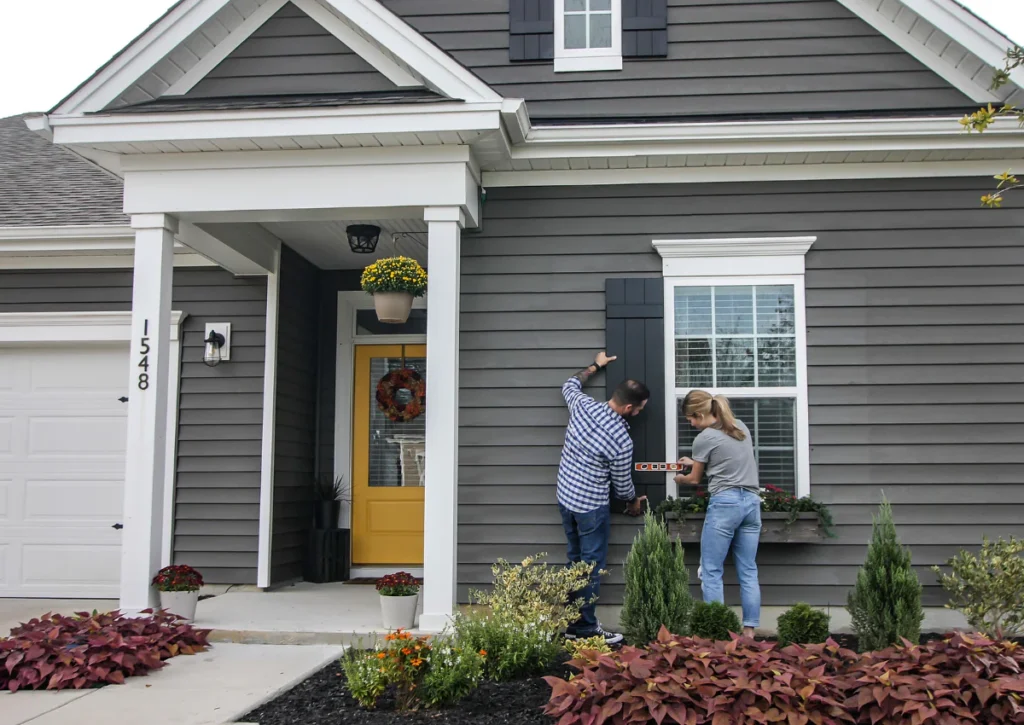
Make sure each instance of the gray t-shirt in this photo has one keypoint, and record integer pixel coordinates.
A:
(729, 463)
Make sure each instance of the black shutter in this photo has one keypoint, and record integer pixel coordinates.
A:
(531, 30)
(635, 333)
(644, 28)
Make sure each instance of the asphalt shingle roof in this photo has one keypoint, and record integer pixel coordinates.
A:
(44, 185)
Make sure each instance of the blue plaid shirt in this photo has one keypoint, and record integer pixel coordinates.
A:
(597, 453)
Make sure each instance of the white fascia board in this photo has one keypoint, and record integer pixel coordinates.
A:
(969, 31)
(391, 32)
(214, 125)
(718, 174)
(85, 234)
(757, 130)
(133, 62)
(517, 120)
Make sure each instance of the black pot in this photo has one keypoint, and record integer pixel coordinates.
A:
(325, 514)
(327, 556)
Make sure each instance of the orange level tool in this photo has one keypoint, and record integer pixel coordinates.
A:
(660, 467)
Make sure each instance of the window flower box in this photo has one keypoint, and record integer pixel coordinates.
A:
(776, 528)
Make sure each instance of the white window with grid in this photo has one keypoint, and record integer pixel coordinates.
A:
(735, 325)
(588, 35)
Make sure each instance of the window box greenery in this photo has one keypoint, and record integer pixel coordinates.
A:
(785, 519)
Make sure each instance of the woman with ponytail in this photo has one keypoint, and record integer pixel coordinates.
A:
(724, 451)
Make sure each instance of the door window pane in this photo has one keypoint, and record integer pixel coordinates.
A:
(397, 449)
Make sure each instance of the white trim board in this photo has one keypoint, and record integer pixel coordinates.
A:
(79, 247)
(32, 328)
(266, 530)
(348, 304)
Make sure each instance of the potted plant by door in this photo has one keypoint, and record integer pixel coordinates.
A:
(399, 595)
(179, 590)
(394, 282)
(329, 493)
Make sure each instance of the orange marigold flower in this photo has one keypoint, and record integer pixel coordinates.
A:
(417, 662)
(381, 655)
(406, 651)
(483, 653)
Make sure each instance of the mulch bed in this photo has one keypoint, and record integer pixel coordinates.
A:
(323, 699)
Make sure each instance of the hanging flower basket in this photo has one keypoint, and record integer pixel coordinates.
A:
(394, 282)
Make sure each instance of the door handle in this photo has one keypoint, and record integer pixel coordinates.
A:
(117, 526)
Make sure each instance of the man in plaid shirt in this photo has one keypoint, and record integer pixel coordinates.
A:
(597, 456)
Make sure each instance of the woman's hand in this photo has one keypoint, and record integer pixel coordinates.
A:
(694, 476)
(687, 461)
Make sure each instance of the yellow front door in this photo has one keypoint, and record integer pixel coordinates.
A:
(388, 463)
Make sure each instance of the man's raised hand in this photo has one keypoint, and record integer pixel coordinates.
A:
(603, 359)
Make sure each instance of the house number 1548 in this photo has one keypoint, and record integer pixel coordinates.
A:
(144, 362)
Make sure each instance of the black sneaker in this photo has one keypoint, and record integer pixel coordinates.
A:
(611, 639)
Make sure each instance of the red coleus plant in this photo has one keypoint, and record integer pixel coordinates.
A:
(180, 578)
(56, 652)
(402, 584)
(697, 682)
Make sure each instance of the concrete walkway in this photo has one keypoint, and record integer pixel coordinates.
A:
(218, 686)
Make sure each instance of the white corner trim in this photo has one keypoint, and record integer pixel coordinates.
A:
(266, 530)
(171, 456)
(32, 327)
(348, 35)
(752, 256)
(569, 60)
(733, 247)
(225, 48)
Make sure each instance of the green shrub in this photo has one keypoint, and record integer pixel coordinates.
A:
(803, 625)
(364, 676)
(579, 648)
(535, 593)
(885, 604)
(657, 585)
(988, 589)
(454, 672)
(713, 620)
(513, 651)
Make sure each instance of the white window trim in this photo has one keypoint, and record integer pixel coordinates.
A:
(588, 59)
(748, 261)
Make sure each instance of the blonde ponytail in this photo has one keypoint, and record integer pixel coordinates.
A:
(699, 403)
(726, 420)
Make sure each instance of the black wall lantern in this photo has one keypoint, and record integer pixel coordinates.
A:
(218, 343)
(362, 238)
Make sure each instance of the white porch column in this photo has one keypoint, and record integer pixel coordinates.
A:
(444, 226)
(149, 383)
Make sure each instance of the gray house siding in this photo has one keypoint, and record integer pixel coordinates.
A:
(915, 299)
(295, 427)
(291, 54)
(216, 514)
(730, 57)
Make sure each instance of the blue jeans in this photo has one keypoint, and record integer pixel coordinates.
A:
(733, 519)
(587, 538)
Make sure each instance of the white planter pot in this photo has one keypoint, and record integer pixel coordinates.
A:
(181, 603)
(399, 612)
(392, 307)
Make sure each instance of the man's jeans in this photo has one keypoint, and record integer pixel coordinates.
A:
(587, 536)
(733, 519)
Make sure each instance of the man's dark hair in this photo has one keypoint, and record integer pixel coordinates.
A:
(631, 392)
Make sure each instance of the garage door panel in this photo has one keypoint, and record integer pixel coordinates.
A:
(63, 567)
(78, 435)
(63, 435)
(73, 502)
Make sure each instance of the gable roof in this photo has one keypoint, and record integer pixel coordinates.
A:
(195, 36)
(43, 185)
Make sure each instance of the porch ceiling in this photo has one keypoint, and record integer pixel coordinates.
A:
(325, 243)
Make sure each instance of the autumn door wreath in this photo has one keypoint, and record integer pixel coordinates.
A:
(389, 395)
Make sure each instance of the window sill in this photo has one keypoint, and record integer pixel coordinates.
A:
(579, 63)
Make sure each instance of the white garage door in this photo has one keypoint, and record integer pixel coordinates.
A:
(62, 446)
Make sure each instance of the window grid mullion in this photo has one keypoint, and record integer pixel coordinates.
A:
(753, 302)
(714, 342)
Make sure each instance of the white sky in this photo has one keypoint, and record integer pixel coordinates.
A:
(48, 48)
